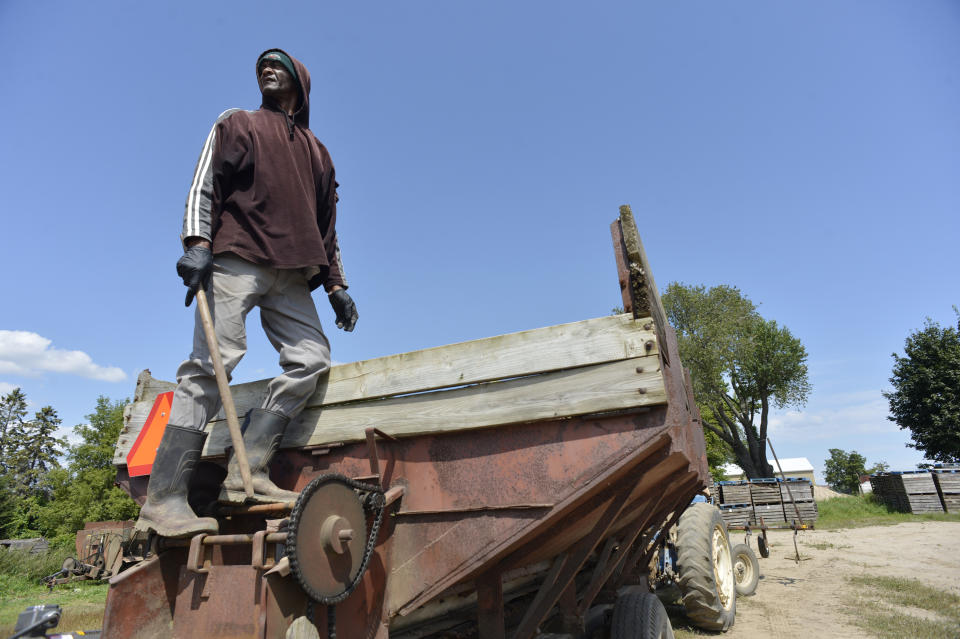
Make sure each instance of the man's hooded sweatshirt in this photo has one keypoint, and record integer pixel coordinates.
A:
(264, 189)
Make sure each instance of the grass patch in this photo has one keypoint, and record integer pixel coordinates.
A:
(20, 587)
(82, 603)
(28, 567)
(856, 511)
(882, 605)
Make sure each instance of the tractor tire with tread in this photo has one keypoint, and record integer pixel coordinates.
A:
(640, 615)
(705, 568)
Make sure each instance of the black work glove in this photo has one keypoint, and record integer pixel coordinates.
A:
(196, 269)
(345, 309)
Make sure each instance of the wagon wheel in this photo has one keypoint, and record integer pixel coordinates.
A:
(746, 569)
(762, 545)
(705, 567)
(69, 566)
(640, 615)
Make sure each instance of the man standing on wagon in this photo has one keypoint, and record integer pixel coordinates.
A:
(259, 230)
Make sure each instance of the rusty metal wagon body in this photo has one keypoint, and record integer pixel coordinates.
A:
(524, 478)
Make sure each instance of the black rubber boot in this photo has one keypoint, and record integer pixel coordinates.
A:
(262, 432)
(167, 512)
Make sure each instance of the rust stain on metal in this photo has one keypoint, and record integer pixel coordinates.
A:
(475, 505)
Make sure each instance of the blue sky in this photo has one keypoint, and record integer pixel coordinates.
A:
(806, 152)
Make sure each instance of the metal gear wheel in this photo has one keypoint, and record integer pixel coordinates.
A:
(327, 539)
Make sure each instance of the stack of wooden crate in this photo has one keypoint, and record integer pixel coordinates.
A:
(948, 486)
(737, 514)
(912, 491)
(881, 485)
(746, 502)
(734, 492)
(798, 492)
(767, 503)
(735, 505)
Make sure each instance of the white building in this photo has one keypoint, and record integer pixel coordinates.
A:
(793, 468)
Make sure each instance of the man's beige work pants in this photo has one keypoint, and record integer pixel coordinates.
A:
(290, 320)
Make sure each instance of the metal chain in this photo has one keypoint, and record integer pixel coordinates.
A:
(331, 617)
(375, 501)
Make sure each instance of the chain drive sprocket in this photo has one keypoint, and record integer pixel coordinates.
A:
(372, 499)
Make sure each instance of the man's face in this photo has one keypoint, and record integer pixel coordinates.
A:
(275, 81)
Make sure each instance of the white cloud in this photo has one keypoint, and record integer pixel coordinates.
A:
(28, 354)
(861, 413)
(68, 434)
(848, 421)
(6, 388)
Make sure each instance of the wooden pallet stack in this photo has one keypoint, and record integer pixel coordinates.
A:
(948, 487)
(800, 492)
(734, 492)
(908, 491)
(767, 503)
(881, 485)
(733, 497)
(737, 514)
(746, 502)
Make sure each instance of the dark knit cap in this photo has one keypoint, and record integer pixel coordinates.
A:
(279, 56)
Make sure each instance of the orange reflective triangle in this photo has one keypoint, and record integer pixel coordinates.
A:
(144, 450)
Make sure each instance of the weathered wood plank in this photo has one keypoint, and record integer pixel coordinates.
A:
(513, 355)
(506, 356)
(623, 269)
(948, 482)
(735, 493)
(765, 493)
(601, 387)
(644, 292)
(590, 389)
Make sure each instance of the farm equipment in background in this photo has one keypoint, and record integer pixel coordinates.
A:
(104, 549)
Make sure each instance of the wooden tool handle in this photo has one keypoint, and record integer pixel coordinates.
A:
(225, 396)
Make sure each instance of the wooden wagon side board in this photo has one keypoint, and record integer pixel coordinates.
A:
(564, 370)
(528, 352)
(567, 393)
(640, 294)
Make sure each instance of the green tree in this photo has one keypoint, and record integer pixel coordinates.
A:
(85, 490)
(742, 366)
(718, 452)
(880, 467)
(34, 450)
(926, 391)
(843, 470)
(13, 410)
(9, 507)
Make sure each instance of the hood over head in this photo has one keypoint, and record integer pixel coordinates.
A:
(302, 78)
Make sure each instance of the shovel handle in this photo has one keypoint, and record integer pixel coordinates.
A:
(225, 396)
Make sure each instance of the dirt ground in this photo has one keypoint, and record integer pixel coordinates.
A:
(811, 599)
